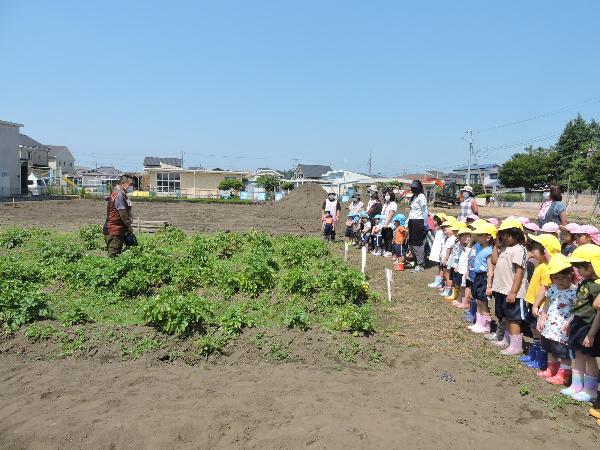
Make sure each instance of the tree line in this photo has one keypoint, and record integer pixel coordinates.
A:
(573, 162)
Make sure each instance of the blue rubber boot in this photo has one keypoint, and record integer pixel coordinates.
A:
(533, 348)
(541, 360)
(471, 312)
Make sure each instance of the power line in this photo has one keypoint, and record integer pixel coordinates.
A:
(543, 115)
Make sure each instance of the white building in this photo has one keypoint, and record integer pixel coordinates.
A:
(12, 175)
(489, 173)
(61, 162)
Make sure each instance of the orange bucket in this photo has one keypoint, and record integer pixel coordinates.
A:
(399, 266)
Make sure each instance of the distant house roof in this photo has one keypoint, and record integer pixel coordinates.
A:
(312, 170)
(153, 161)
(59, 149)
(262, 170)
(26, 141)
(475, 167)
(103, 170)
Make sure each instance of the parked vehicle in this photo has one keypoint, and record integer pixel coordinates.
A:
(36, 186)
(450, 195)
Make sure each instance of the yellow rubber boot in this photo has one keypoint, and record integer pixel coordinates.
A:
(595, 413)
(453, 295)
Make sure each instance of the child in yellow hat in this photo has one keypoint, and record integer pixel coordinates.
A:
(481, 289)
(584, 325)
(559, 299)
(543, 247)
(510, 283)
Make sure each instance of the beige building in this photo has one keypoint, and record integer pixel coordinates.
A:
(172, 181)
(12, 173)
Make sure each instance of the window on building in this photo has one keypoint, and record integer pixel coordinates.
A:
(493, 176)
(168, 181)
(28, 155)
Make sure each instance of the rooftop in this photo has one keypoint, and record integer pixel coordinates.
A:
(312, 170)
(26, 141)
(476, 167)
(155, 161)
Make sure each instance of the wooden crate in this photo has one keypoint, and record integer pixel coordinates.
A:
(149, 226)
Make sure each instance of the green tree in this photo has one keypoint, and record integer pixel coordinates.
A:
(477, 189)
(268, 182)
(572, 144)
(288, 185)
(532, 169)
(231, 184)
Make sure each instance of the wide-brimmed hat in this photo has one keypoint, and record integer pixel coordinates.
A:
(468, 189)
(372, 188)
(523, 220)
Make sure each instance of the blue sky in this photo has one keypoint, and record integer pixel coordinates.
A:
(246, 84)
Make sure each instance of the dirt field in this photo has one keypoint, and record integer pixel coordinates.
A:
(438, 386)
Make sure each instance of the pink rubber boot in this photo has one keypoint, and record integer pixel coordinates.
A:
(483, 326)
(477, 322)
(515, 347)
(504, 343)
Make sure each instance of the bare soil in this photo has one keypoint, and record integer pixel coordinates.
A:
(435, 386)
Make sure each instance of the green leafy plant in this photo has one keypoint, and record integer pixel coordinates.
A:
(278, 351)
(235, 319)
(296, 317)
(21, 303)
(353, 318)
(177, 314)
(211, 344)
(91, 236)
(14, 237)
(74, 316)
(40, 332)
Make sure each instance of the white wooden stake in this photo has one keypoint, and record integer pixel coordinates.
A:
(389, 278)
(345, 251)
(363, 263)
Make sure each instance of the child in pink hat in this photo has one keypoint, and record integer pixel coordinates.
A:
(550, 228)
(531, 228)
(523, 220)
(568, 238)
(589, 234)
(494, 221)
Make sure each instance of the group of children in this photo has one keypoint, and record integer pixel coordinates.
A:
(544, 283)
(361, 232)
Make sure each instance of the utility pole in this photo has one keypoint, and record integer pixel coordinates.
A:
(481, 179)
(370, 162)
(470, 134)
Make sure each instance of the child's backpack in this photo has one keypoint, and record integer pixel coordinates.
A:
(431, 224)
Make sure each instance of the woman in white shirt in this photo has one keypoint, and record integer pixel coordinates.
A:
(417, 224)
(388, 211)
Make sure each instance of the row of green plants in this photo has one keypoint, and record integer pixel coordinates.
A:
(207, 287)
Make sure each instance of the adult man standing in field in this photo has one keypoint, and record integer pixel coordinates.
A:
(118, 217)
